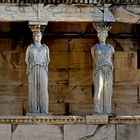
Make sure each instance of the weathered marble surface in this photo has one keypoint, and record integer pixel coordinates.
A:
(37, 132)
(75, 132)
(128, 132)
(97, 119)
(5, 132)
(40, 14)
(89, 132)
(62, 12)
(127, 14)
(120, 128)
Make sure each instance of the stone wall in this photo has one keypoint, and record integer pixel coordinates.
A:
(69, 132)
(70, 76)
(70, 70)
(13, 91)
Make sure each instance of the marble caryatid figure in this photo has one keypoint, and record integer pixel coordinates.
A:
(37, 60)
(102, 72)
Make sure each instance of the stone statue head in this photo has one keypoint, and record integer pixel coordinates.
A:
(102, 31)
(37, 36)
(102, 35)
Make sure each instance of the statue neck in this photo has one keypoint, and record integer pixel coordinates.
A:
(102, 43)
(38, 44)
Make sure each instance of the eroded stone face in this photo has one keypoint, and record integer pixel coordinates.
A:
(61, 12)
(5, 132)
(125, 132)
(125, 15)
(89, 132)
(37, 132)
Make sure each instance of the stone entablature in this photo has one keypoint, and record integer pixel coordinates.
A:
(40, 14)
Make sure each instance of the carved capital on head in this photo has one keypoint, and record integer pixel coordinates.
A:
(37, 28)
(102, 29)
(100, 26)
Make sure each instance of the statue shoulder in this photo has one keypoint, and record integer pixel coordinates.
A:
(111, 47)
(44, 45)
(95, 46)
(29, 46)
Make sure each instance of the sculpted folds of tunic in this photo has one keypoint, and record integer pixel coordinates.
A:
(37, 60)
(102, 56)
(102, 75)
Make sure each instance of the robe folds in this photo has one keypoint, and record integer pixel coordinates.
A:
(37, 60)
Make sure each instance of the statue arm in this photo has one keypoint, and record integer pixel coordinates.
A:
(92, 53)
(47, 54)
(112, 48)
(27, 56)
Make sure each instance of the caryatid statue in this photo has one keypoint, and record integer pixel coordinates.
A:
(102, 72)
(37, 60)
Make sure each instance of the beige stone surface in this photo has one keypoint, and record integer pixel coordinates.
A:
(126, 44)
(70, 74)
(11, 77)
(57, 108)
(125, 64)
(125, 60)
(58, 77)
(5, 42)
(13, 100)
(80, 77)
(42, 14)
(81, 108)
(134, 8)
(137, 77)
(127, 108)
(78, 45)
(57, 93)
(121, 14)
(97, 119)
(125, 76)
(5, 131)
(75, 132)
(79, 60)
(138, 93)
(105, 132)
(125, 94)
(89, 132)
(128, 132)
(37, 132)
(58, 60)
(11, 109)
(53, 44)
(84, 94)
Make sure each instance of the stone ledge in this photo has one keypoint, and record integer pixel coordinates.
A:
(60, 120)
(135, 119)
(55, 120)
(97, 119)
